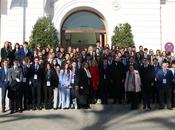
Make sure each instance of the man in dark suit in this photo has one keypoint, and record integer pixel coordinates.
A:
(104, 81)
(173, 83)
(36, 81)
(4, 82)
(24, 52)
(27, 73)
(164, 79)
(156, 67)
(117, 74)
(15, 77)
(5, 51)
(147, 80)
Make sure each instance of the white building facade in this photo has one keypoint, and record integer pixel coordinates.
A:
(152, 21)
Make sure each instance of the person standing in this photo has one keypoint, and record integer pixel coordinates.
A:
(25, 52)
(133, 86)
(147, 80)
(156, 67)
(94, 70)
(164, 78)
(85, 86)
(104, 72)
(117, 76)
(4, 83)
(65, 82)
(15, 77)
(50, 82)
(57, 92)
(173, 83)
(75, 84)
(36, 82)
(27, 73)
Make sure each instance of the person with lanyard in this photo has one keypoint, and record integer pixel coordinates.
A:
(50, 82)
(36, 81)
(57, 90)
(75, 85)
(26, 69)
(164, 78)
(156, 67)
(173, 84)
(15, 77)
(65, 84)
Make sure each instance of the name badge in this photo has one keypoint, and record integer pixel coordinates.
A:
(164, 81)
(17, 79)
(104, 76)
(73, 81)
(48, 83)
(35, 76)
(24, 80)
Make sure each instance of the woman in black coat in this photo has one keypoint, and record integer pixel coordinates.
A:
(85, 86)
(50, 82)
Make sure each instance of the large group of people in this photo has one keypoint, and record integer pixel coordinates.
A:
(64, 78)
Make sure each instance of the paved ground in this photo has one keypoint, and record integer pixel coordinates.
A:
(110, 117)
(99, 117)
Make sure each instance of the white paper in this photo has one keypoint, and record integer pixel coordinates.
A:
(35, 76)
(17, 79)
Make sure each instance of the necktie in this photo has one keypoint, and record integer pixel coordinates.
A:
(36, 68)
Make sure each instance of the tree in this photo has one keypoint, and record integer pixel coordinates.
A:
(44, 33)
(123, 36)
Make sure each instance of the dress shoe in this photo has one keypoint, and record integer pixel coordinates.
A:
(149, 108)
(170, 108)
(3, 111)
(20, 111)
(12, 112)
(144, 107)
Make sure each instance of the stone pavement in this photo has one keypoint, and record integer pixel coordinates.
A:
(99, 117)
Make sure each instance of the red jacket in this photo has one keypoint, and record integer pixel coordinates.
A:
(95, 77)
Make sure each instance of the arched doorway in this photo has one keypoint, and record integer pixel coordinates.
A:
(83, 28)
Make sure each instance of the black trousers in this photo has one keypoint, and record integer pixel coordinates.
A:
(173, 95)
(24, 94)
(147, 95)
(48, 96)
(165, 93)
(118, 91)
(16, 101)
(133, 99)
(104, 91)
(36, 94)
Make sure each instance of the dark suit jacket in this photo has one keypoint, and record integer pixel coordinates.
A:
(85, 82)
(53, 78)
(27, 72)
(4, 53)
(147, 75)
(76, 77)
(160, 76)
(22, 54)
(117, 73)
(2, 75)
(39, 73)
